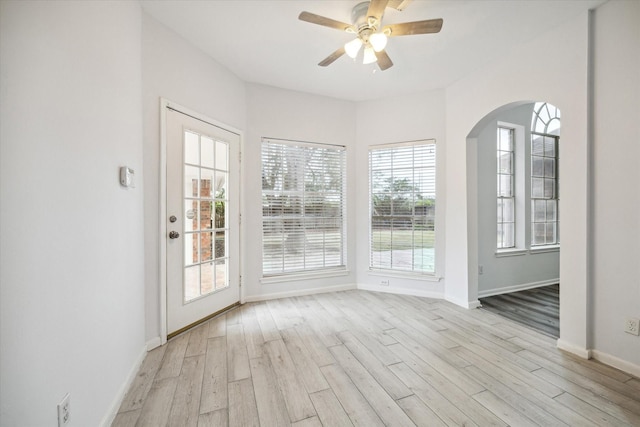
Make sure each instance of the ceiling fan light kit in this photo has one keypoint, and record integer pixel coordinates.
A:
(353, 47)
(369, 56)
(366, 20)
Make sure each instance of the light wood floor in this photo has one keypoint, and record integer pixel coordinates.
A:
(371, 359)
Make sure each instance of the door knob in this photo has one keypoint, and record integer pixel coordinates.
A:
(174, 234)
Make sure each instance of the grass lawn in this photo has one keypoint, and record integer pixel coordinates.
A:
(383, 240)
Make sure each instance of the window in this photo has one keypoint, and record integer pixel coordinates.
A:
(545, 133)
(506, 188)
(303, 188)
(402, 182)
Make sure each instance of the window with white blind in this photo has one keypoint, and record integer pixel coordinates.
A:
(402, 181)
(506, 188)
(545, 136)
(303, 213)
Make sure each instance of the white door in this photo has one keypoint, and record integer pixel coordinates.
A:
(203, 245)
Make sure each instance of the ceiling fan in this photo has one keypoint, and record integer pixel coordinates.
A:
(366, 24)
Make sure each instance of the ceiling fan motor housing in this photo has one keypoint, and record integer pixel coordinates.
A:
(359, 16)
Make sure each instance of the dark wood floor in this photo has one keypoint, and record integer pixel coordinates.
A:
(537, 308)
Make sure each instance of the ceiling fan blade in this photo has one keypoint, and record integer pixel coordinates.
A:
(376, 9)
(384, 62)
(399, 4)
(324, 21)
(411, 28)
(329, 59)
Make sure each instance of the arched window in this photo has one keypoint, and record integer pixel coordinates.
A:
(545, 136)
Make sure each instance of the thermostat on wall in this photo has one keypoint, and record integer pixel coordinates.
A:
(126, 177)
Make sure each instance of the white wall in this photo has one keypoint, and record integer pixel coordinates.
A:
(399, 119)
(515, 79)
(284, 114)
(72, 294)
(616, 221)
(174, 69)
(506, 273)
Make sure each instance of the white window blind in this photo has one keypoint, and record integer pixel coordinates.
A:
(506, 188)
(303, 187)
(402, 184)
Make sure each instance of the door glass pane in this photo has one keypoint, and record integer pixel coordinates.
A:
(221, 155)
(191, 248)
(206, 150)
(220, 207)
(191, 180)
(207, 283)
(190, 215)
(221, 185)
(206, 247)
(205, 214)
(221, 274)
(191, 282)
(205, 250)
(206, 182)
(191, 149)
(220, 245)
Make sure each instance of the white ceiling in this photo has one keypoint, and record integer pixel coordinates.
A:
(262, 41)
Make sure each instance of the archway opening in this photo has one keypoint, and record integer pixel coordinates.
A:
(514, 219)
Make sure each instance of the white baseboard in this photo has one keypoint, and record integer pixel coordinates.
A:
(154, 343)
(463, 303)
(474, 304)
(299, 292)
(574, 349)
(107, 420)
(516, 288)
(401, 291)
(616, 362)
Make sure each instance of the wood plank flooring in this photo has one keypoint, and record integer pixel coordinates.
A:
(359, 358)
(537, 308)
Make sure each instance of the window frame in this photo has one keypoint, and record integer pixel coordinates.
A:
(286, 273)
(428, 219)
(545, 123)
(502, 240)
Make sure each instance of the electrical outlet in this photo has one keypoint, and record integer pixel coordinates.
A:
(64, 411)
(384, 282)
(632, 326)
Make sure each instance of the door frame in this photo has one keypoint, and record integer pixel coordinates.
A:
(162, 215)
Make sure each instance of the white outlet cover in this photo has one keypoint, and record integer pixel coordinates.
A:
(632, 326)
(64, 411)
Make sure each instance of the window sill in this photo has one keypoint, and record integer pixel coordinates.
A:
(429, 277)
(294, 277)
(511, 252)
(545, 249)
(534, 250)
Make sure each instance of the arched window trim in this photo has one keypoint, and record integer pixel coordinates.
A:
(544, 116)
